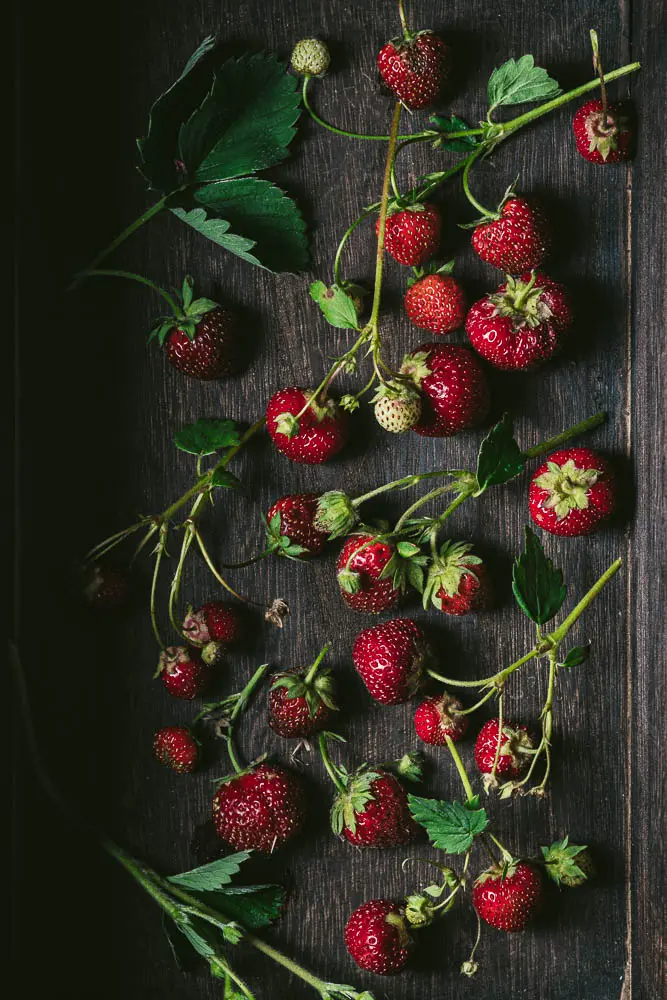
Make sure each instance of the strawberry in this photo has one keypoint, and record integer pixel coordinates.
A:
(415, 68)
(520, 325)
(310, 437)
(176, 747)
(301, 700)
(602, 136)
(391, 659)
(453, 385)
(291, 526)
(516, 239)
(572, 492)
(508, 895)
(310, 57)
(397, 407)
(215, 621)
(436, 302)
(201, 338)
(436, 718)
(184, 674)
(377, 938)
(511, 761)
(364, 580)
(372, 810)
(412, 234)
(259, 809)
(457, 581)
(105, 589)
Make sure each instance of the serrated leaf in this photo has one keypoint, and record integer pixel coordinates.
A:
(451, 826)
(576, 656)
(206, 436)
(537, 586)
(500, 458)
(226, 480)
(252, 906)
(463, 143)
(518, 82)
(244, 123)
(213, 875)
(183, 956)
(247, 215)
(336, 304)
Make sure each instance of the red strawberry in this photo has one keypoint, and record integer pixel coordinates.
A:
(176, 747)
(436, 718)
(377, 937)
(361, 567)
(517, 239)
(437, 303)
(458, 581)
(511, 762)
(415, 68)
(183, 672)
(372, 810)
(301, 700)
(572, 492)
(105, 589)
(508, 895)
(215, 621)
(391, 658)
(291, 526)
(520, 325)
(412, 235)
(602, 137)
(455, 390)
(311, 437)
(260, 809)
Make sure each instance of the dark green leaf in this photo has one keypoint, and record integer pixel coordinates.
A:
(204, 938)
(576, 656)
(538, 587)
(451, 826)
(337, 305)
(213, 875)
(244, 123)
(463, 143)
(207, 436)
(221, 477)
(500, 458)
(183, 956)
(518, 82)
(253, 906)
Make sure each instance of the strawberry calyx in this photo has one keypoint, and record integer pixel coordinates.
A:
(353, 798)
(170, 659)
(397, 921)
(396, 391)
(567, 486)
(432, 268)
(280, 544)
(454, 561)
(603, 129)
(415, 366)
(288, 423)
(188, 313)
(502, 869)
(522, 302)
(410, 766)
(567, 864)
(314, 684)
(226, 778)
(336, 514)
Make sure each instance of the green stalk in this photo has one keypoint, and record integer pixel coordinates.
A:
(131, 276)
(552, 443)
(465, 780)
(396, 484)
(415, 137)
(384, 201)
(559, 634)
(332, 770)
(310, 676)
(240, 706)
(456, 502)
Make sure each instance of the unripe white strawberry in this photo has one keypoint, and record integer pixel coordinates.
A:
(397, 407)
(310, 57)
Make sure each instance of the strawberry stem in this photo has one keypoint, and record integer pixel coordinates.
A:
(463, 775)
(414, 137)
(332, 770)
(404, 23)
(500, 735)
(240, 706)
(554, 442)
(312, 670)
(131, 276)
(159, 552)
(384, 201)
(487, 213)
(557, 636)
(396, 484)
(597, 66)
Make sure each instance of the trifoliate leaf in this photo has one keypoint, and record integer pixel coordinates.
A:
(336, 304)
(226, 480)
(207, 436)
(451, 826)
(518, 82)
(500, 458)
(537, 586)
(213, 875)
(576, 656)
(463, 143)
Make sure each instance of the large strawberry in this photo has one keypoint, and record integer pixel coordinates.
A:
(183, 672)
(436, 302)
(437, 717)
(377, 937)
(291, 527)
(391, 659)
(603, 135)
(260, 809)
(508, 895)
(365, 575)
(301, 700)
(522, 324)
(415, 68)
(514, 754)
(516, 239)
(454, 388)
(176, 747)
(457, 581)
(572, 492)
(303, 429)
(201, 338)
(412, 234)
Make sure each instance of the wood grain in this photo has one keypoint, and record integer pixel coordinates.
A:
(97, 412)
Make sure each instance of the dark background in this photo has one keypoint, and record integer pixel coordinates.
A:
(96, 415)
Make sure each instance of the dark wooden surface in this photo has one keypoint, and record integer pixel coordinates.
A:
(97, 413)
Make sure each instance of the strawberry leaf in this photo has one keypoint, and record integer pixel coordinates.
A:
(500, 458)
(207, 436)
(538, 587)
(252, 906)
(226, 480)
(451, 826)
(576, 656)
(213, 875)
(463, 143)
(519, 82)
(336, 304)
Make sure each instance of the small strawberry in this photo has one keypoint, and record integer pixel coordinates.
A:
(391, 659)
(304, 430)
(437, 717)
(377, 937)
(457, 581)
(412, 234)
(522, 324)
(436, 302)
(602, 135)
(291, 527)
(372, 810)
(572, 492)
(301, 700)
(336, 514)
(454, 387)
(105, 589)
(397, 407)
(415, 68)
(310, 57)
(511, 761)
(215, 621)
(183, 672)
(516, 239)
(568, 864)
(508, 895)
(201, 338)
(362, 574)
(260, 809)
(176, 747)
